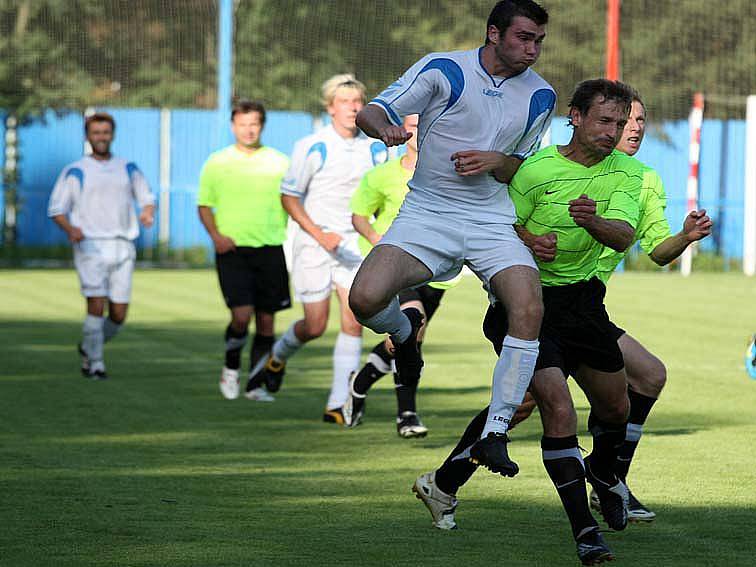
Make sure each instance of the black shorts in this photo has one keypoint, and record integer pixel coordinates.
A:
(429, 296)
(254, 276)
(576, 329)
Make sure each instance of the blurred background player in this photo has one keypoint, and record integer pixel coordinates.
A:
(93, 202)
(380, 194)
(240, 206)
(325, 171)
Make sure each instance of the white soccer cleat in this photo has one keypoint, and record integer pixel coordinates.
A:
(259, 395)
(229, 383)
(439, 504)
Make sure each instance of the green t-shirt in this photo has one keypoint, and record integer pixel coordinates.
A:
(653, 227)
(542, 189)
(245, 191)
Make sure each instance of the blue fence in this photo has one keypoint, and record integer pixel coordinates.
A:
(47, 144)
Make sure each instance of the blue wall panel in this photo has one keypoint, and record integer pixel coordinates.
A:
(2, 168)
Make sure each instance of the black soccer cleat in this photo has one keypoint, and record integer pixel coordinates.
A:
(491, 452)
(269, 373)
(613, 497)
(408, 425)
(592, 550)
(354, 408)
(409, 361)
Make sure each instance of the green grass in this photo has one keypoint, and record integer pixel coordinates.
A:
(154, 468)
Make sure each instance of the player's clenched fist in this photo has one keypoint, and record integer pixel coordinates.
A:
(394, 135)
(697, 225)
(583, 210)
(544, 247)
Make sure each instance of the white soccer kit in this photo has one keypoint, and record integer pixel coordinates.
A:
(98, 197)
(446, 219)
(325, 171)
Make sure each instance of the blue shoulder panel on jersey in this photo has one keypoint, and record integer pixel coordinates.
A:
(379, 153)
(543, 100)
(453, 73)
(319, 147)
(77, 173)
(393, 116)
(131, 168)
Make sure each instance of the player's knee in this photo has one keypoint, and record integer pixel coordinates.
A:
(240, 321)
(364, 301)
(314, 328)
(615, 411)
(117, 318)
(657, 376)
(559, 419)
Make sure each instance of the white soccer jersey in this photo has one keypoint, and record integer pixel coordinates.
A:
(326, 170)
(463, 107)
(99, 197)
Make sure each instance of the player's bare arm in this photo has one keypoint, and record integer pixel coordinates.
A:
(221, 242)
(373, 121)
(147, 215)
(362, 225)
(616, 234)
(293, 205)
(543, 246)
(476, 162)
(697, 225)
(74, 232)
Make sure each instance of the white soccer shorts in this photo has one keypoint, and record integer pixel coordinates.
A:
(445, 244)
(105, 266)
(315, 273)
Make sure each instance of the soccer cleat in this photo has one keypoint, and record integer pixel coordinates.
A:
(409, 425)
(98, 374)
(259, 395)
(439, 504)
(85, 364)
(491, 452)
(637, 512)
(269, 372)
(229, 383)
(354, 408)
(592, 550)
(409, 362)
(335, 415)
(613, 497)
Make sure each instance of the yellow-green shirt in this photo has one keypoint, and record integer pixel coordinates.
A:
(245, 192)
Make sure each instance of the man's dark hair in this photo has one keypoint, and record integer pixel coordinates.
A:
(603, 89)
(245, 106)
(98, 117)
(507, 10)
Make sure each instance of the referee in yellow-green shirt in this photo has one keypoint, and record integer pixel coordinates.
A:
(239, 204)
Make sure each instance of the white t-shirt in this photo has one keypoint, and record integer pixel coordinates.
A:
(98, 196)
(462, 107)
(326, 170)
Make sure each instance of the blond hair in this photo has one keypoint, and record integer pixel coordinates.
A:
(329, 88)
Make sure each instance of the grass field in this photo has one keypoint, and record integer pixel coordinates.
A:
(154, 468)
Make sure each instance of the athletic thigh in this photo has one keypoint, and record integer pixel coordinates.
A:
(489, 249)
(606, 392)
(518, 288)
(387, 270)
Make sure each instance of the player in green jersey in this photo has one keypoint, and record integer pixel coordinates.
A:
(380, 195)
(239, 204)
(580, 198)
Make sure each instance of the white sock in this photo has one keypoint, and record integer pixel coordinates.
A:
(390, 320)
(511, 377)
(346, 359)
(287, 345)
(110, 328)
(92, 340)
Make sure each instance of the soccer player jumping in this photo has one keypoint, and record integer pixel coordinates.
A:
(481, 113)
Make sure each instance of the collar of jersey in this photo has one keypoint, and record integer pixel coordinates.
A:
(489, 75)
(568, 160)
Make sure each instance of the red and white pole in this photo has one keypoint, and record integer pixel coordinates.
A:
(613, 40)
(695, 122)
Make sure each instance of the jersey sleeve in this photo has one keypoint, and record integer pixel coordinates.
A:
(367, 199)
(65, 191)
(411, 93)
(542, 104)
(624, 201)
(206, 197)
(653, 228)
(523, 193)
(308, 158)
(139, 186)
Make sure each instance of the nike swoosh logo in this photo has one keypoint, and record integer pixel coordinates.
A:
(549, 192)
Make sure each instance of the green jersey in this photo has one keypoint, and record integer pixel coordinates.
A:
(245, 191)
(653, 227)
(542, 189)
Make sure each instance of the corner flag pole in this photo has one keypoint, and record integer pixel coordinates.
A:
(613, 40)
(749, 198)
(695, 121)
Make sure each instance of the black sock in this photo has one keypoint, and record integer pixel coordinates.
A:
(457, 471)
(406, 394)
(370, 374)
(235, 342)
(563, 462)
(640, 407)
(607, 438)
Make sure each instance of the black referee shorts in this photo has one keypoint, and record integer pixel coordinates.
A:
(429, 296)
(576, 329)
(254, 276)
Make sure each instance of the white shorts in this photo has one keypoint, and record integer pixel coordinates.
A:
(315, 272)
(445, 244)
(105, 266)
